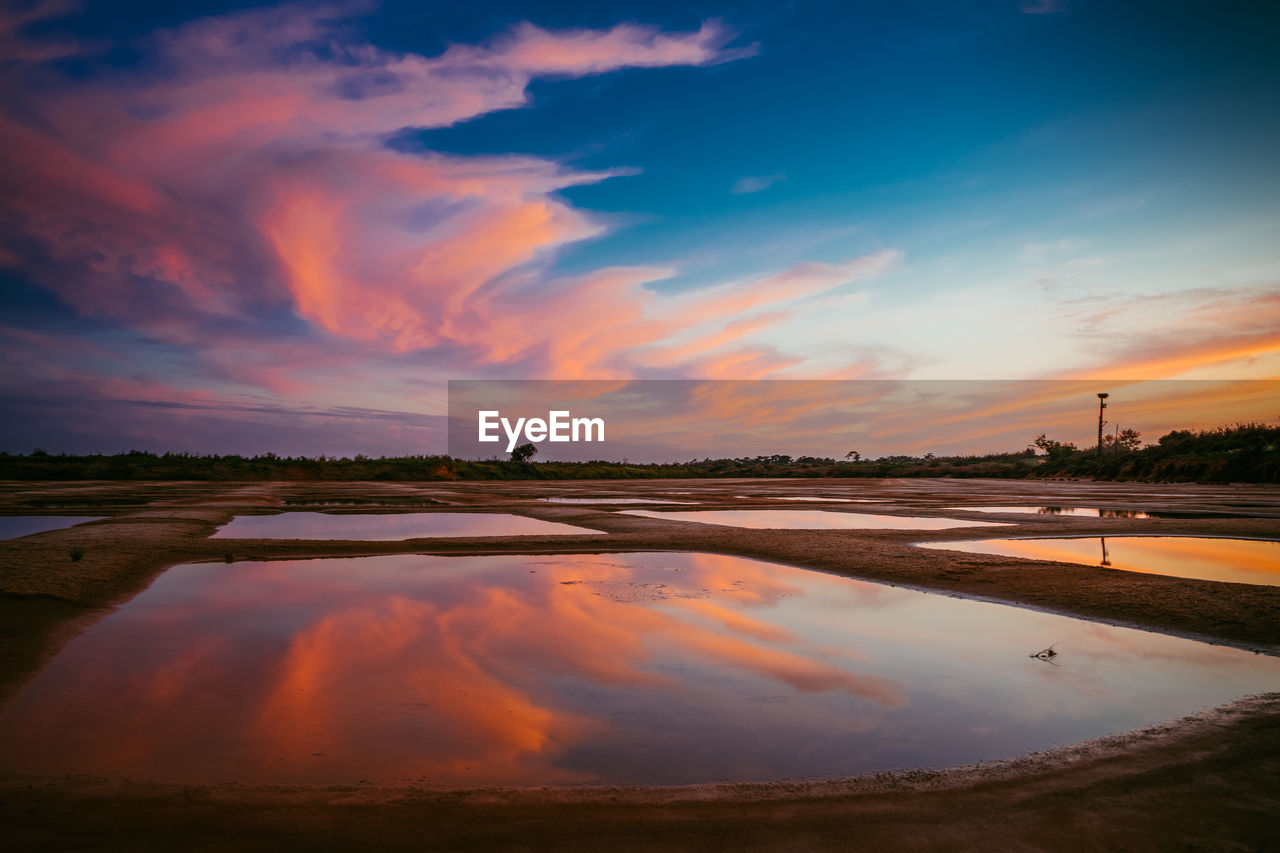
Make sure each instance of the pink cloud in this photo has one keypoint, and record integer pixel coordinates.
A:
(227, 181)
(1225, 332)
(15, 47)
(223, 184)
(532, 50)
(799, 282)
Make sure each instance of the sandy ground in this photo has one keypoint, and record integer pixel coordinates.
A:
(1210, 782)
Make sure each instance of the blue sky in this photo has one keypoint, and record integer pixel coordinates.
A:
(278, 214)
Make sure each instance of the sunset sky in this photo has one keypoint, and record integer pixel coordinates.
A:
(233, 227)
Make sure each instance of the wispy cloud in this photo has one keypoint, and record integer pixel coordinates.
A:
(1043, 7)
(243, 171)
(15, 47)
(1231, 335)
(230, 217)
(1052, 249)
(755, 184)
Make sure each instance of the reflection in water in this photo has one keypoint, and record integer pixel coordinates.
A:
(610, 501)
(387, 526)
(1233, 560)
(83, 503)
(631, 669)
(13, 526)
(1092, 512)
(810, 499)
(811, 519)
(363, 502)
(1089, 512)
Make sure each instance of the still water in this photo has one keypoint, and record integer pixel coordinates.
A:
(610, 501)
(811, 519)
(388, 526)
(812, 499)
(1232, 560)
(372, 503)
(13, 526)
(668, 668)
(1093, 512)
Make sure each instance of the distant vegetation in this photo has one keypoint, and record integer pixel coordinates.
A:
(1244, 453)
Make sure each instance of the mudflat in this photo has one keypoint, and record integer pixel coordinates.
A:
(1205, 782)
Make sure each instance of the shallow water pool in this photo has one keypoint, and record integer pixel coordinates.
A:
(810, 499)
(811, 519)
(13, 526)
(1094, 512)
(561, 670)
(610, 501)
(1234, 560)
(363, 502)
(381, 527)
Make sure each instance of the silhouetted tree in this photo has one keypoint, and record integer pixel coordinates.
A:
(1124, 441)
(1054, 449)
(524, 452)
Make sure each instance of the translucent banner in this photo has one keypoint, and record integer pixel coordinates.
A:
(678, 420)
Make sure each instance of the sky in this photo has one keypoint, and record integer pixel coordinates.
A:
(247, 227)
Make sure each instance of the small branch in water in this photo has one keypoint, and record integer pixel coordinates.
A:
(1045, 654)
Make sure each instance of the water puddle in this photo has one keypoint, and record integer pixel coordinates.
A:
(610, 501)
(1094, 512)
(811, 499)
(388, 526)
(563, 670)
(85, 503)
(1232, 560)
(811, 519)
(13, 526)
(363, 502)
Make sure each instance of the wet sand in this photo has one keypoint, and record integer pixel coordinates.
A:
(1208, 782)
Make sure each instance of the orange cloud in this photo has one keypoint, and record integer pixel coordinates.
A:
(255, 174)
(1220, 334)
(416, 674)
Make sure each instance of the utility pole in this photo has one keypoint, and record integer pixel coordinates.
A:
(1102, 405)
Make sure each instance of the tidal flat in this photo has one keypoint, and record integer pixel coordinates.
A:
(1205, 779)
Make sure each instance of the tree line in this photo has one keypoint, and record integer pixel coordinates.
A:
(1241, 453)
